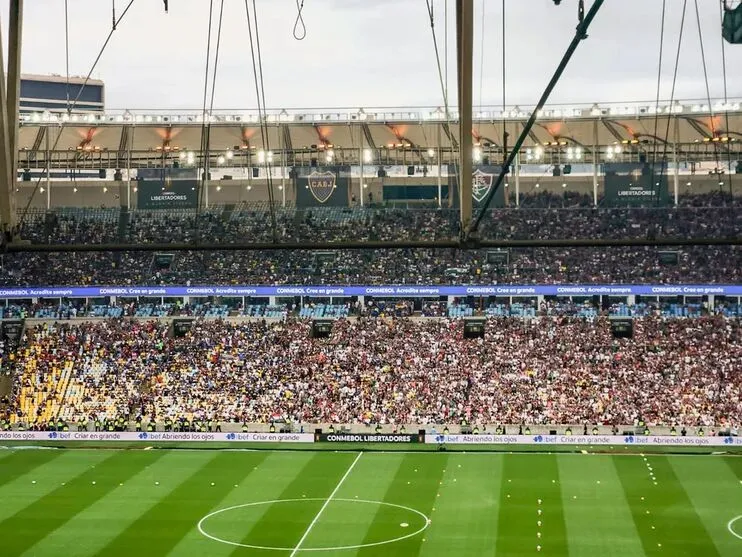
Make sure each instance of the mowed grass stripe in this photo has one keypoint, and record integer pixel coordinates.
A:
(597, 515)
(266, 483)
(346, 520)
(22, 492)
(678, 530)
(45, 515)
(466, 513)
(96, 525)
(428, 479)
(18, 463)
(735, 464)
(283, 524)
(158, 530)
(532, 477)
(716, 494)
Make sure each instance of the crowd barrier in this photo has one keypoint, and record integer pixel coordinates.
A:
(155, 437)
(54, 437)
(383, 290)
(623, 440)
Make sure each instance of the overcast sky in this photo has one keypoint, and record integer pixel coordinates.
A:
(374, 53)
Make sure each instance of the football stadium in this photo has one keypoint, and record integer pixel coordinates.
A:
(489, 304)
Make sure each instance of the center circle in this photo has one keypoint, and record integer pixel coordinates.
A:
(202, 522)
(730, 527)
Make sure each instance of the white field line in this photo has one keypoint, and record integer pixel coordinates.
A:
(324, 506)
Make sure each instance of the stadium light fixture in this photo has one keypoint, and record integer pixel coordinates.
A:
(182, 155)
(261, 157)
(368, 156)
(221, 159)
(431, 152)
(218, 188)
(538, 152)
(230, 154)
(105, 189)
(74, 190)
(538, 185)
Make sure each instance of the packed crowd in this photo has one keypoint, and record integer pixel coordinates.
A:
(716, 264)
(388, 371)
(540, 217)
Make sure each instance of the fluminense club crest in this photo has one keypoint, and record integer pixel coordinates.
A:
(321, 184)
(481, 184)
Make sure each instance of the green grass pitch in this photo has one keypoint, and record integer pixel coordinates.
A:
(180, 503)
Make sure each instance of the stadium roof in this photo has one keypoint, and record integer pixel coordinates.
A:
(699, 129)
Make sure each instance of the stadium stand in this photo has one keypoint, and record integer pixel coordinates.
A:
(708, 216)
(390, 371)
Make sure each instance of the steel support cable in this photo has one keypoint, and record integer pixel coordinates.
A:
(657, 99)
(674, 83)
(443, 84)
(706, 81)
(67, 52)
(205, 131)
(504, 87)
(300, 28)
(481, 63)
(206, 124)
(257, 69)
(580, 35)
(71, 106)
(726, 96)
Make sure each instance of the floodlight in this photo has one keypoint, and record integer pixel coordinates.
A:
(431, 153)
(368, 155)
(230, 154)
(221, 159)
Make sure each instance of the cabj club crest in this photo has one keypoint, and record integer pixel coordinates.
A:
(481, 184)
(321, 185)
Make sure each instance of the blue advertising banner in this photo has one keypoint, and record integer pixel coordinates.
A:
(383, 291)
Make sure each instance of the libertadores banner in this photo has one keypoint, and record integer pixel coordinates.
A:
(154, 437)
(583, 440)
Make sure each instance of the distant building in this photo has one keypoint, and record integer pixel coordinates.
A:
(51, 92)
